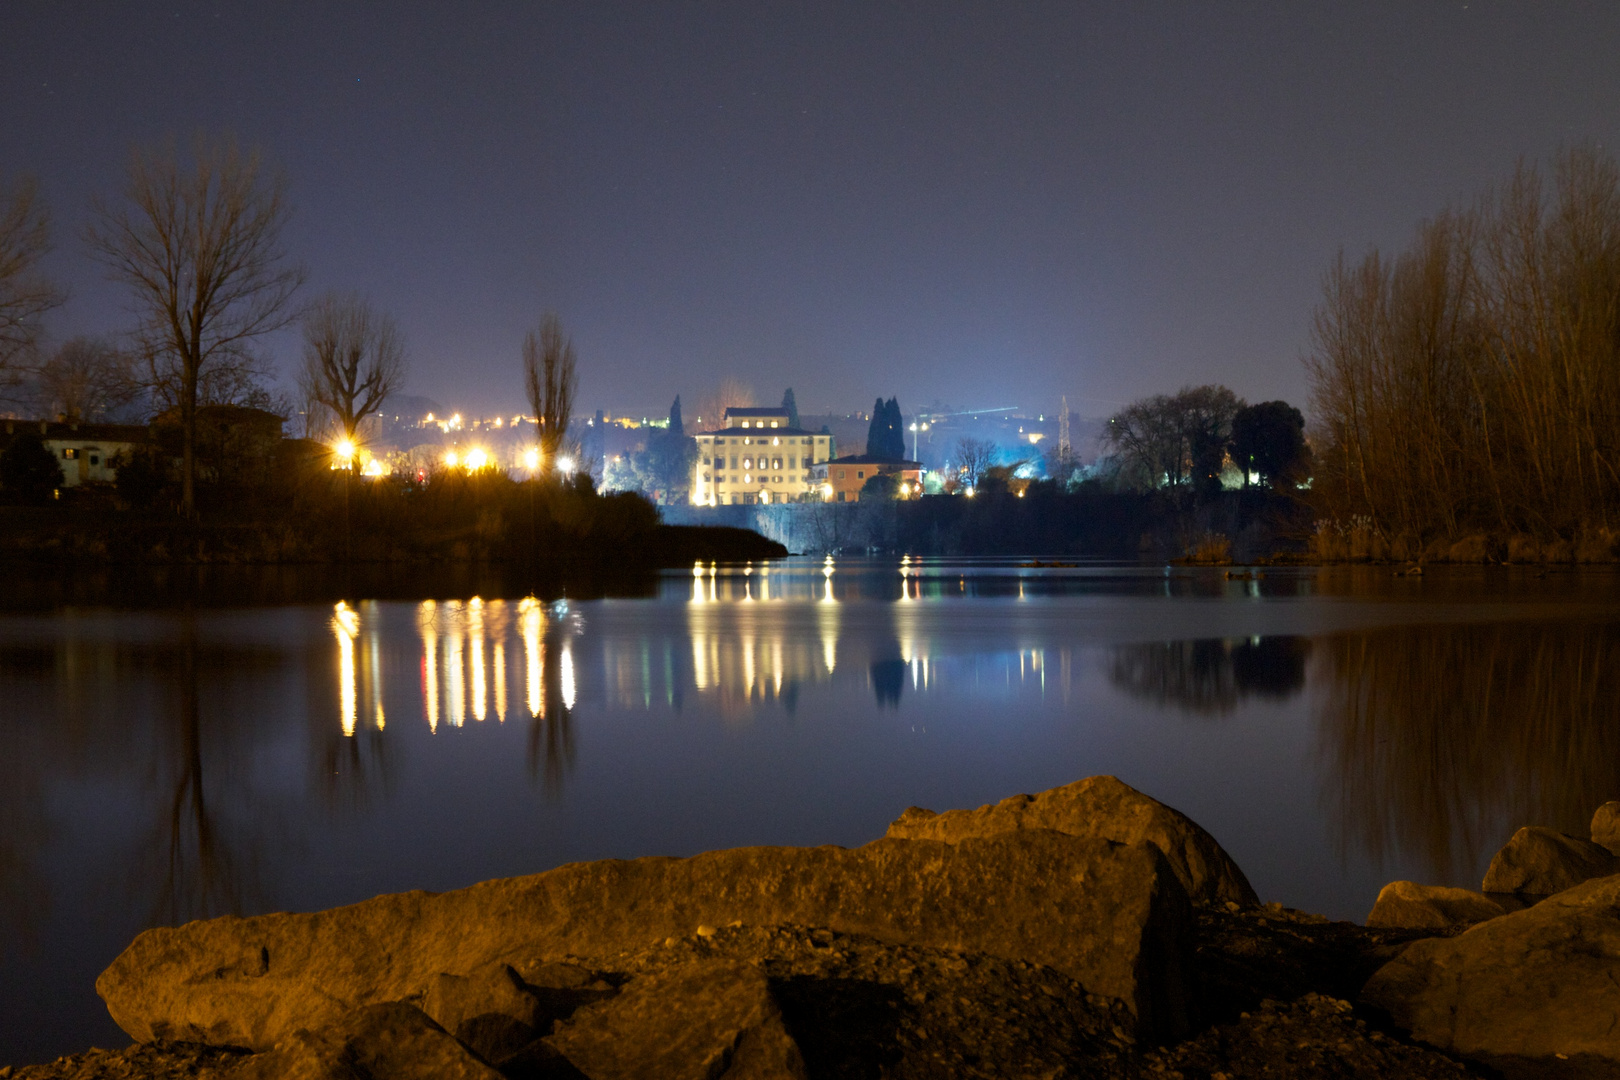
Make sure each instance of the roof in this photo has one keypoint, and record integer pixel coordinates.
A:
(871, 459)
(78, 431)
(772, 430)
(757, 410)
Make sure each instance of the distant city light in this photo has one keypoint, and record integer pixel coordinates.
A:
(565, 464)
(451, 460)
(374, 468)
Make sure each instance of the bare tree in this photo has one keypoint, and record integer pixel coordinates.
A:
(973, 457)
(25, 296)
(353, 359)
(198, 244)
(87, 378)
(1175, 440)
(730, 394)
(549, 380)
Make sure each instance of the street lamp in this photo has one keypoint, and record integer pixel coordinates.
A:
(565, 464)
(914, 429)
(531, 459)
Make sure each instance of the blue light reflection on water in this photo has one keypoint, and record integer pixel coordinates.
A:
(163, 764)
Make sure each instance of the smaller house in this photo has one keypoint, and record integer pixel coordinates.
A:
(85, 451)
(847, 475)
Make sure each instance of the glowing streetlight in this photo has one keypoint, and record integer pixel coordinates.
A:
(344, 451)
(565, 464)
(451, 460)
(476, 460)
(531, 459)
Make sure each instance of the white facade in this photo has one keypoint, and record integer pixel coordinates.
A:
(758, 458)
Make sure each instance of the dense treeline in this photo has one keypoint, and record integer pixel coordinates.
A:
(299, 509)
(1471, 384)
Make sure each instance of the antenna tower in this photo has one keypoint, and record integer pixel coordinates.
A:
(1065, 449)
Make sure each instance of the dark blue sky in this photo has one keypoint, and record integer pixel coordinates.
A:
(982, 203)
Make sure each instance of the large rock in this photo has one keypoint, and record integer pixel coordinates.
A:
(698, 1021)
(392, 1041)
(1104, 807)
(1407, 905)
(1112, 916)
(1606, 827)
(1542, 861)
(491, 1011)
(1532, 984)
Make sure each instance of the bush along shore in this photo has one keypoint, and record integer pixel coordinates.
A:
(329, 517)
(1088, 931)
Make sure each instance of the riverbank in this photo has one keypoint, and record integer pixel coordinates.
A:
(1086, 931)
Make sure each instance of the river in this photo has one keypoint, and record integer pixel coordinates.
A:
(1335, 729)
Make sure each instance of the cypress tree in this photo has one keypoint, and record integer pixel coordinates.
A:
(792, 408)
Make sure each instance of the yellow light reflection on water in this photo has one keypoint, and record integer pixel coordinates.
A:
(346, 626)
(475, 658)
(425, 617)
(567, 676)
(500, 679)
(529, 622)
(374, 664)
(455, 668)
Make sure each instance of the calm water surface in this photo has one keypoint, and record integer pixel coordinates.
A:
(1333, 729)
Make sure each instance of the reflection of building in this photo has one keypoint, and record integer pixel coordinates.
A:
(847, 475)
(757, 458)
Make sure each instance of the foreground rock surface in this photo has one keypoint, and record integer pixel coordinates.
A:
(1522, 991)
(859, 1007)
(1413, 906)
(1112, 917)
(1103, 807)
(1541, 862)
(1606, 826)
(395, 1041)
(694, 1021)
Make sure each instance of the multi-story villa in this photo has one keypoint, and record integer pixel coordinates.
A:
(757, 458)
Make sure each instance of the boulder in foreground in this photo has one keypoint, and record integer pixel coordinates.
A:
(395, 1041)
(1407, 905)
(1541, 862)
(1606, 827)
(1104, 807)
(1537, 985)
(1113, 917)
(698, 1021)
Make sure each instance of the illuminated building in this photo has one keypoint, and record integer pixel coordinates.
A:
(757, 458)
(847, 475)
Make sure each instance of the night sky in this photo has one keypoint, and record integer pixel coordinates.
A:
(984, 204)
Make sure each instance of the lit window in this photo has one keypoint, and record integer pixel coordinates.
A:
(773, 423)
(745, 423)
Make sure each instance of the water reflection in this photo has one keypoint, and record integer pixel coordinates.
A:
(1211, 676)
(1440, 741)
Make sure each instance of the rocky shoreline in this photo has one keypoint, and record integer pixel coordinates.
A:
(1088, 931)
